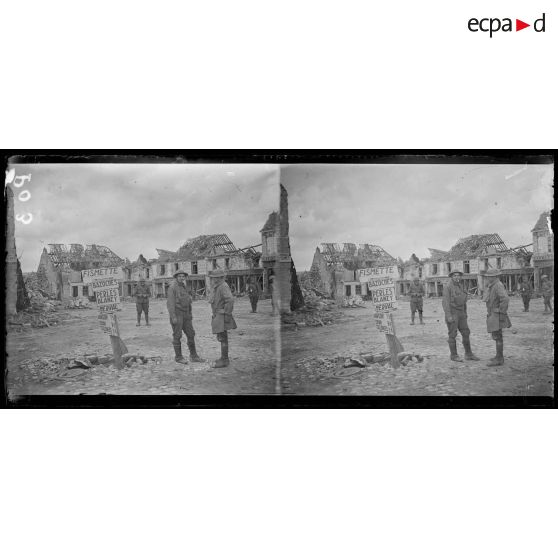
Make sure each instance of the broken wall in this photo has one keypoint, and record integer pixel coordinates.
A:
(282, 266)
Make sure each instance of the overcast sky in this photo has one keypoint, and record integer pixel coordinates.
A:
(135, 209)
(409, 208)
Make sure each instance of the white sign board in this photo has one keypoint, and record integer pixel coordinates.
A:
(108, 323)
(382, 290)
(384, 322)
(90, 275)
(105, 287)
(364, 275)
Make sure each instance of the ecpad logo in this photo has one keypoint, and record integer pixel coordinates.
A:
(493, 25)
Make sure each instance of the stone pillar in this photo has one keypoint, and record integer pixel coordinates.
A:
(283, 262)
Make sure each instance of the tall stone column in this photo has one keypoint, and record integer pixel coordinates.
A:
(283, 263)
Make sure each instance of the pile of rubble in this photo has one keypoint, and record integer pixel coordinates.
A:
(77, 303)
(353, 302)
(318, 310)
(374, 361)
(41, 312)
(90, 361)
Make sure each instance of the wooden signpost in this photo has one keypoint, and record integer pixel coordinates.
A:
(104, 283)
(381, 282)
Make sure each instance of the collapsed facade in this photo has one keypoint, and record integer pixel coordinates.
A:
(413, 267)
(60, 267)
(473, 256)
(197, 257)
(334, 267)
(277, 259)
(543, 249)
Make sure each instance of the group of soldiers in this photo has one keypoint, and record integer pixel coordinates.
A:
(526, 293)
(179, 306)
(454, 304)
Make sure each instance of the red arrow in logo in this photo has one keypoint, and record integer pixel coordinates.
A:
(519, 25)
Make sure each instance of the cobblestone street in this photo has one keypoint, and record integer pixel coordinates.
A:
(37, 357)
(313, 357)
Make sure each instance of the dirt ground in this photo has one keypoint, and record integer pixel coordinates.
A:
(313, 357)
(34, 355)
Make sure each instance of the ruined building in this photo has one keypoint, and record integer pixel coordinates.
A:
(334, 267)
(60, 268)
(543, 249)
(408, 270)
(473, 256)
(270, 238)
(134, 271)
(200, 255)
(277, 260)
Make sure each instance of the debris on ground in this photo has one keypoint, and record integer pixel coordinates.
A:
(355, 361)
(318, 311)
(41, 313)
(78, 303)
(353, 302)
(371, 361)
(407, 357)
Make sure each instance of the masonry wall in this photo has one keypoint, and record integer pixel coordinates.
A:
(283, 262)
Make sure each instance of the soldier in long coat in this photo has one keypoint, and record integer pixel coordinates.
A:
(526, 292)
(416, 292)
(454, 303)
(179, 305)
(497, 301)
(143, 292)
(222, 304)
(253, 291)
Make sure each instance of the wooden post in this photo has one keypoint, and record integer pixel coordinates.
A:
(395, 346)
(118, 346)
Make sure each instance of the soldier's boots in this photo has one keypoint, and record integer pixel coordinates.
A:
(224, 361)
(498, 360)
(453, 351)
(147, 321)
(194, 357)
(420, 319)
(412, 319)
(469, 355)
(178, 354)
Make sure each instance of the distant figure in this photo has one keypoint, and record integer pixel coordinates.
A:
(222, 304)
(524, 289)
(417, 292)
(143, 292)
(179, 305)
(547, 292)
(253, 294)
(497, 301)
(454, 303)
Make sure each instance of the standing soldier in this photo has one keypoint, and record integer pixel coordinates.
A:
(497, 301)
(454, 303)
(179, 305)
(222, 303)
(546, 290)
(417, 292)
(525, 291)
(253, 293)
(142, 301)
